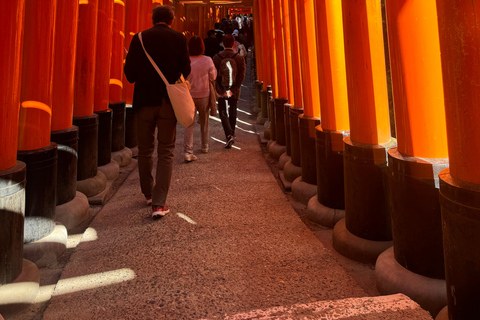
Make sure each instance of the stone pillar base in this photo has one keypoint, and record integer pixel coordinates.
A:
(391, 277)
(356, 248)
(276, 150)
(284, 158)
(21, 292)
(134, 152)
(303, 191)
(291, 171)
(123, 157)
(45, 252)
(322, 215)
(73, 213)
(111, 170)
(92, 186)
(443, 314)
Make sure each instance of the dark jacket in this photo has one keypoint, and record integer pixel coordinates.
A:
(240, 62)
(212, 47)
(168, 48)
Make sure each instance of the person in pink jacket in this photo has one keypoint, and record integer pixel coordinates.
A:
(203, 71)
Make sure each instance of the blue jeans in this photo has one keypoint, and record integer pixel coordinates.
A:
(228, 121)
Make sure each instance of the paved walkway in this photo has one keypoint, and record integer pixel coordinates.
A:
(232, 244)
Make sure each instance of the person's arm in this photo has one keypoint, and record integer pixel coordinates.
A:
(212, 72)
(240, 61)
(130, 68)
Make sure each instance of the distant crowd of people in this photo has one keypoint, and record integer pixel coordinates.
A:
(215, 69)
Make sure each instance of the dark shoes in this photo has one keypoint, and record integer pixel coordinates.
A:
(230, 142)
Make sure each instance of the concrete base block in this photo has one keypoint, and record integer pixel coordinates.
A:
(134, 152)
(276, 150)
(99, 199)
(287, 185)
(284, 158)
(21, 292)
(443, 314)
(303, 191)
(322, 215)
(45, 252)
(111, 170)
(356, 248)
(122, 157)
(92, 186)
(291, 171)
(391, 277)
(73, 213)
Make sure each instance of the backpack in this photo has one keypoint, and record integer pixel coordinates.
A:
(228, 71)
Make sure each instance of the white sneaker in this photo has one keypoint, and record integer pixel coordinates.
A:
(190, 157)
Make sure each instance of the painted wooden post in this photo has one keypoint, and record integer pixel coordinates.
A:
(366, 230)
(263, 27)
(12, 172)
(421, 154)
(305, 188)
(460, 184)
(327, 207)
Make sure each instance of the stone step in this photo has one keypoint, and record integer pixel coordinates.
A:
(391, 307)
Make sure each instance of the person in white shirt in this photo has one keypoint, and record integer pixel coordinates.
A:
(203, 71)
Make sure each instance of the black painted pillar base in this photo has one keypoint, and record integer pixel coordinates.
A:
(460, 205)
(306, 129)
(416, 213)
(104, 136)
(367, 211)
(130, 128)
(40, 190)
(279, 114)
(12, 211)
(257, 108)
(118, 125)
(67, 142)
(293, 115)
(87, 146)
(271, 119)
(288, 143)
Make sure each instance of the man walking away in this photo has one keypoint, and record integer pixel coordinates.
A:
(212, 47)
(168, 48)
(230, 74)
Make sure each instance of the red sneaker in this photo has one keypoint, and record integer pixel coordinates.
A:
(159, 212)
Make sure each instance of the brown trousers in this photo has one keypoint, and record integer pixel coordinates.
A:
(147, 119)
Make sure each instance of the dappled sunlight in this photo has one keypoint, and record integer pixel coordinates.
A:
(243, 111)
(223, 142)
(89, 235)
(244, 122)
(186, 218)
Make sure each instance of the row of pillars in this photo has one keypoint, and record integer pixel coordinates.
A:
(327, 73)
(65, 110)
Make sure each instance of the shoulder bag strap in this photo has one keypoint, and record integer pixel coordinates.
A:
(151, 60)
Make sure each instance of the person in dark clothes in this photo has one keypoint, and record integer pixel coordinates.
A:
(212, 47)
(218, 32)
(168, 48)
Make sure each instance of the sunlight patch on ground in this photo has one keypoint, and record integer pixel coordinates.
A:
(243, 111)
(186, 218)
(74, 239)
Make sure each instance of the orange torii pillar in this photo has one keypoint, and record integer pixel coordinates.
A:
(366, 230)
(414, 265)
(132, 26)
(257, 61)
(327, 207)
(90, 181)
(460, 184)
(34, 145)
(102, 83)
(292, 169)
(72, 206)
(265, 48)
(276, 146)
(119, 153)
(304, 187)
(12, 172)
(272, 62)
(287, 44)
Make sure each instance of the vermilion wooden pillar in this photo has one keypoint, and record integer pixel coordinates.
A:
(270, 35)
(132, 12)
(305, 188)
(102, 80)
(34, 146)
(83, 107)
(64, 133)
(12, 172)
(366, 230)
(421, 154)
(327, 207)
(267, 81)
(116, 76)
(460, 184)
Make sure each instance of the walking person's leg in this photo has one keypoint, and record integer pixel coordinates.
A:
(203, 115)
(166, 125)
(188, 140)
(146, 123)
(232, 114)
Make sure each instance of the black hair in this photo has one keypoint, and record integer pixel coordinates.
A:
(163, 14)
(228, 41)
(196, 46)
(210, 33)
